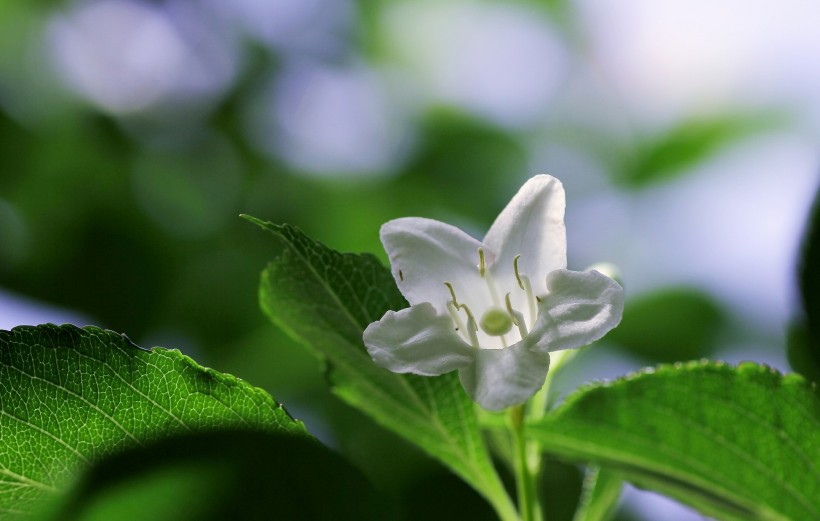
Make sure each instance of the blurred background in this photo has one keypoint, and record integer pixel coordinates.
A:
(133, 134)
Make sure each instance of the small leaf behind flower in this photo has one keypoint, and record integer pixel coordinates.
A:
(670, 325)
(737, 443)
(673, 152)
(324, 299)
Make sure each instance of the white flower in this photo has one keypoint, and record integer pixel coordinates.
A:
(493, 309)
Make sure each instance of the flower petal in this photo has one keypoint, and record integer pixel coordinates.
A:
(500, 378)
(531, 225)
(424, 254)
(580, 308)
(417, 340)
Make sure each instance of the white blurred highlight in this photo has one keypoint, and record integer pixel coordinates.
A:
(732, 227)
(127, 56)
(328, 121)
(684, 57)
(310, 26)
(501, 61)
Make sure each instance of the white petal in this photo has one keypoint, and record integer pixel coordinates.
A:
(500, 378)
(417, 340)
(580, 308)
(531, 225)
(424, 254)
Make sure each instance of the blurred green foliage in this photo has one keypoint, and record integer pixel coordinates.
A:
(671, 325)
(673, 151)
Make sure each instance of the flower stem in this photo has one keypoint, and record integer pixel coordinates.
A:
(524, 479)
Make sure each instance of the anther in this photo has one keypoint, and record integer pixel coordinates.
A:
(453, 293)
(457, 305)
(515, 268)
(481, 263)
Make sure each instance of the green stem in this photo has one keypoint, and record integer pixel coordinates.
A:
(537, 409)
(504, 508)
(532, 457)
(524, 479)
(527, 454)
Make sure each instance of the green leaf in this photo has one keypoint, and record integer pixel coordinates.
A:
(221, 475)
(324, 300)
(69, 396)
(736, 443)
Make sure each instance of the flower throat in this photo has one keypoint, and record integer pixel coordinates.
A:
(498, 319)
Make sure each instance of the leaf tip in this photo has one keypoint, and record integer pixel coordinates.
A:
(254, 220)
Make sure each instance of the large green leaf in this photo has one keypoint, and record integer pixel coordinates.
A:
(325, 299)
(219, 475)
(69, 396)
(736, 443)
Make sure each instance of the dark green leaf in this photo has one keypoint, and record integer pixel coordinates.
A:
(325, 299)
(70, 396)
(807, 353)
(736, 443)
(801, 352)
(221, 475)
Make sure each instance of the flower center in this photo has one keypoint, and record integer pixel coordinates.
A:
(498, 319)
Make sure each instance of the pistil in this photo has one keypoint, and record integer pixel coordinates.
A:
(488, 279)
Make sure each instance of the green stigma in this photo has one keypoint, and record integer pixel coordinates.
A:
(496, 322)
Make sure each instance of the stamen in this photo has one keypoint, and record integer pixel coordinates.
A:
(488, 278)
(518, 318)
(453, 293)
(526, 285)
(472, 328)
(453, 306)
